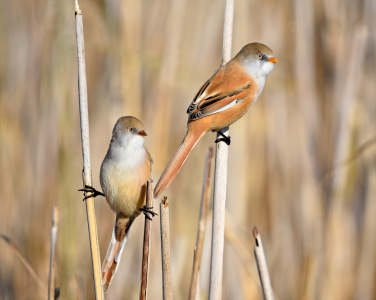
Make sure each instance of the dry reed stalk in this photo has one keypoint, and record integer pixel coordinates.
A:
(346, 91)
(262, 267)
(146, 247)
(166, 80)
(364, 287)
(336, 234)
(165, 250)
(86, 174)
(240, 246)
(220, 178)
(26, 263)
(194, 288)
(51, 276)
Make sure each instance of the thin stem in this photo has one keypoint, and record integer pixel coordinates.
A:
(146, 248)
(262, 267)
(51, 276)
(220, 179)
(201, 225)
(165, 250)
(86, 174)
(26, 264)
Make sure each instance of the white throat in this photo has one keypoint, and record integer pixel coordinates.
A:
(259, 70)
(128, 150)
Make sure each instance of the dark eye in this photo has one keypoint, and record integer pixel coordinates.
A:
(130, 129)
(259, 55)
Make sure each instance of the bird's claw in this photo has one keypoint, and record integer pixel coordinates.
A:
(224, 138)
(148, 210)
(93, 192)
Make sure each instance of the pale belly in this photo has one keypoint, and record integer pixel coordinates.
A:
(124, 189)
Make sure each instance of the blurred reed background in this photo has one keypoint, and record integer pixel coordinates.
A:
(148, 59)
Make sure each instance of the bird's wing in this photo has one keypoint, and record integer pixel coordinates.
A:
(227, 87)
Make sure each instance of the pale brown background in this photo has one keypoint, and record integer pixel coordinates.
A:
(148, 59)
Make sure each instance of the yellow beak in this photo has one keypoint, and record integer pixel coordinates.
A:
(273, 60)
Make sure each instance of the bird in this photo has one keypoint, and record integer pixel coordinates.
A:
(124, 173)
(221, 101)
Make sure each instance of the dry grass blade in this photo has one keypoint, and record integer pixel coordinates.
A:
(51, 277)
(146, 247)
(26, 263)
(84, 119)
(201, 225)
(357, 153)
(165, 251)
(220, 179)
(262, 267)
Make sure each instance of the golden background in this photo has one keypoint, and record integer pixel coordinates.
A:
(148, 59)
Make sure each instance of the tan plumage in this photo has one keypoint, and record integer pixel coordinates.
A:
(124, 173)
(221, 101)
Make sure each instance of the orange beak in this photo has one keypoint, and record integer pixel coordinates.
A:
(273, 60)
(142, 133)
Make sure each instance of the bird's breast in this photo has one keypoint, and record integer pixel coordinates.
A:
(123, 180)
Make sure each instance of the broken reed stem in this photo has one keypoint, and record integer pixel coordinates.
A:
(146, 247)
(26, 264)
(193, 291)
(220, 179)
(262, 267)
(51, 276)
(86, 174)
(165, 250)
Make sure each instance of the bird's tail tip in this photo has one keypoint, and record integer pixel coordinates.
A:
(111, 261)
(158, 190)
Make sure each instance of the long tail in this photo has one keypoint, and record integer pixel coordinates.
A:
(118, 240)
(191, 138)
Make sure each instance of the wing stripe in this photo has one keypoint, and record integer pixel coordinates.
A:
(193, 105)
(207, 103)
(202, 90)
(216, 98)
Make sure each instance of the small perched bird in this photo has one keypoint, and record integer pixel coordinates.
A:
(124, 173)
(221, 101)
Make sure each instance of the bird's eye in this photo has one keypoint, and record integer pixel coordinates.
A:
(259, 55)
(130, 129)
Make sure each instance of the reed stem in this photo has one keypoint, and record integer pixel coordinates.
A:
(86, 173)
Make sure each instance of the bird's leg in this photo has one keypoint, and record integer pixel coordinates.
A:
(148, 210)
(226, 139)
(93, 191)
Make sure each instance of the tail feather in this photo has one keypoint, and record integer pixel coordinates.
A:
(113, 256)
(190, 140)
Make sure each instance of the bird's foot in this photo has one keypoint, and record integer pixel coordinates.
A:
(92, 192)
(226, 139)
(148, 210)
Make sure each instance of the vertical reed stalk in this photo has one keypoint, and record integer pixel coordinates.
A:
(165, 250)
(347, 98)
(86, 174)
(220, 178)
(262, 267)
(146, 247)
(51, 276)
(193, 291)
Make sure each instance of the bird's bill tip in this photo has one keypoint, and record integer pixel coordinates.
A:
(272, 60)
(142, 133)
